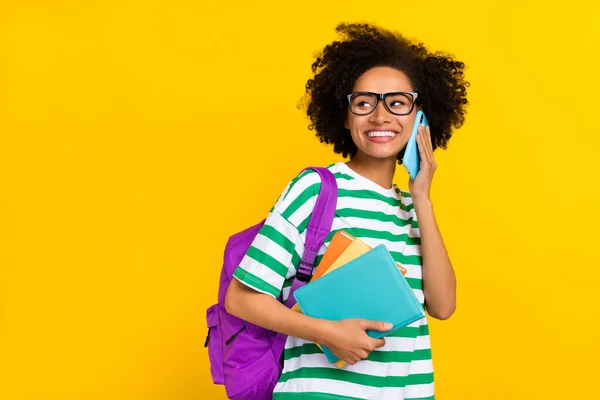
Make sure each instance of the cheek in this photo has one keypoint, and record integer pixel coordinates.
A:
(355, 130)
(348, 120)
(408, 121)
(402, 121)
(354, 122)
(350, 124)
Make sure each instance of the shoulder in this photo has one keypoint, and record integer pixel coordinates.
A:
(300, 195)
(306, 183)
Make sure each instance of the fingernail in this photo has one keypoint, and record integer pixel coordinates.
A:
(388, 326)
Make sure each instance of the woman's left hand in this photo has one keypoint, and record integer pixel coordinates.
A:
(421, 186)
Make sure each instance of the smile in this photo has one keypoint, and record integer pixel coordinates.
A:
(374, 134)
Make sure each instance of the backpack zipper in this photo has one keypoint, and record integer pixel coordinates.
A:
(207, 338)
(228, 341)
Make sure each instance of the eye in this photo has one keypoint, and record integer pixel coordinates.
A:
(397, 103)
(363, 103)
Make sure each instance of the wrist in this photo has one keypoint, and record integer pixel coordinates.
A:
(422, 202)
(321, 330)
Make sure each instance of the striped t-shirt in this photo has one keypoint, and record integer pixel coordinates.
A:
(402, 369)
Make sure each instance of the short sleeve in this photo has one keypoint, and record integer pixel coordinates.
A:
(273, 257)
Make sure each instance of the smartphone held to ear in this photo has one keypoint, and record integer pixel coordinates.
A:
(412, 159)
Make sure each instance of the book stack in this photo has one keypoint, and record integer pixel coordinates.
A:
(354, 280)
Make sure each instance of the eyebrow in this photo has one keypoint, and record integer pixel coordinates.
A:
(389, 91)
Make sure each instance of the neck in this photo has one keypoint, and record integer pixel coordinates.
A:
(380, 171)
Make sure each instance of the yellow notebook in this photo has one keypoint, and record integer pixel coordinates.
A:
(354, 250)
(339, 242)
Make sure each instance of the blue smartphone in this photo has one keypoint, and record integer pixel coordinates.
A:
(412, 159)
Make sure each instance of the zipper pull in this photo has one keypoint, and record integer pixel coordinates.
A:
(228, 342)
(207, 338)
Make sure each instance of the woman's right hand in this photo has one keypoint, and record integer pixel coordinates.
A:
(348, 339)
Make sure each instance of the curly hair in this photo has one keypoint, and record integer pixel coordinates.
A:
(437, 77)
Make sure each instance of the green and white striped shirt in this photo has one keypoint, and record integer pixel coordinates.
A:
(403, 368)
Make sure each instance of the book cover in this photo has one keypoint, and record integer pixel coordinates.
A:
(370, 286)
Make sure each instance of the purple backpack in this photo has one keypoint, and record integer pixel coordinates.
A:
(246, 358)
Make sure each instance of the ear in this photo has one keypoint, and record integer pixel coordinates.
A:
(346, 125)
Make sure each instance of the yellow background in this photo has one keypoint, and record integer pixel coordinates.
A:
(136, 136)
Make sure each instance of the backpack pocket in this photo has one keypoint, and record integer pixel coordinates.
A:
(258, 379)
(214, 344)
(250, 369)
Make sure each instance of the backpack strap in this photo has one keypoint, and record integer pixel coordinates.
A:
(319, 227)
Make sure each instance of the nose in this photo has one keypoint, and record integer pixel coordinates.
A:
(380, 115)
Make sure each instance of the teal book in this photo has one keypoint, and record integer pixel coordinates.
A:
(369, 287)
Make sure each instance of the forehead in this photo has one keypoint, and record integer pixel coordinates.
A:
(383, 80)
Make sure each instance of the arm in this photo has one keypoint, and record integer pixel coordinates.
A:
(264, 310)
(347, 339)
(439, 281)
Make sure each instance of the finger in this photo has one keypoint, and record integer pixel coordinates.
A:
(429, 141)
(420, 143)
(431, 147)
(379, 343)
(377, 326)
(424, 151)
(427, 145)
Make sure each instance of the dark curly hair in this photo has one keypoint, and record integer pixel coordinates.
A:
(437, 77)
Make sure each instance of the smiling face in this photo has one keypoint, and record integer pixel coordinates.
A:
(381, 134)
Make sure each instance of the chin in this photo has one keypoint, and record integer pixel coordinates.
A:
(383, 155)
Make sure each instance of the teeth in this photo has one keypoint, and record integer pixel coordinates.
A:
(381, 134)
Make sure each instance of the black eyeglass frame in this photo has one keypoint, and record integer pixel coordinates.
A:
(383, 96)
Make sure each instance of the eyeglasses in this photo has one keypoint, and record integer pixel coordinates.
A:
(397, 103)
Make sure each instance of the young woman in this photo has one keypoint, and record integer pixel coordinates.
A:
(363, 98)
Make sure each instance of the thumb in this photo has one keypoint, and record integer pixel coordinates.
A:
(377, 326)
